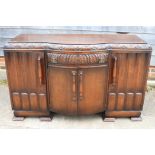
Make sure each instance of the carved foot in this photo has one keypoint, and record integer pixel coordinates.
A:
(109, 119)
(18, 118)
(136, 118)
(48, 119)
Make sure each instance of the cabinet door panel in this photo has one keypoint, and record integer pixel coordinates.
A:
(92, 90)
(131, 81)
(24, 69)
(62, 86)
(26, 76)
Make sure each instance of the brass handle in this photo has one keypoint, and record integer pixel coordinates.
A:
(39, 70)
(81, 87)
(74, 85)
(114, 73)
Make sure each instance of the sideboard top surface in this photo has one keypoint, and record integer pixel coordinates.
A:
(79, 39)
(78, 42)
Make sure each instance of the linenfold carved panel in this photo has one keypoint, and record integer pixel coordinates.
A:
(29, 101)
(76, 58)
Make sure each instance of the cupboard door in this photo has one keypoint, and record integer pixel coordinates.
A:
(26, 77)
(62, 87)
(92, 89)
(130, 81)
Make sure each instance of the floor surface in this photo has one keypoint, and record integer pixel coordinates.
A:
(84, 122)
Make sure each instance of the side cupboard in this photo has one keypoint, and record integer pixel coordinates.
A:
(77, 74)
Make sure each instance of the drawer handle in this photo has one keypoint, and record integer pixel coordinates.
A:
(81, 87)
(39, 70)
(74, 73)
(114, 73)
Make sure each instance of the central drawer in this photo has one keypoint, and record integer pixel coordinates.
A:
(77, 58)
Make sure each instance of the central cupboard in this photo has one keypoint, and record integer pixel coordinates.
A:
(77, 90)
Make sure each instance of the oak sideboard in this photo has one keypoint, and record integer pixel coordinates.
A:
(77, 74)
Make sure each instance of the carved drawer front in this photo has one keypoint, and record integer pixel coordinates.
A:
(29, 101)
(78, 58)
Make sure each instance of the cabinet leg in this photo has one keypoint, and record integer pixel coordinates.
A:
(136, 118)
(18, 118)
(48, 119)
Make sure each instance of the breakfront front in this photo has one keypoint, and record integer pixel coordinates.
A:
(77, 74)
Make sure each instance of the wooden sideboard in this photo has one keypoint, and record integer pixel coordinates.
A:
(77, 74)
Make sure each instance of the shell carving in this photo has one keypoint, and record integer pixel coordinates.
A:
(92, 58)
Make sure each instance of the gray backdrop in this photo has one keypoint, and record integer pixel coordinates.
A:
(146, 33)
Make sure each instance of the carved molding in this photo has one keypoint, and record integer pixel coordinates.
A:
(60, 47)
(67, 58)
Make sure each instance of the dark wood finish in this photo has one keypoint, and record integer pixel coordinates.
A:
(27, 80)
(123, 114)
(77, 74)
(111, 101)
(62, 88)
(121, 101)
(31, 114)
(92, 90)
(71, 90)
(78, 38)
(128, 92)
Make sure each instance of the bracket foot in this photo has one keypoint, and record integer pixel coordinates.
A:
(109, 119)
(136, 118)
(47, 119)
(18, 118)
